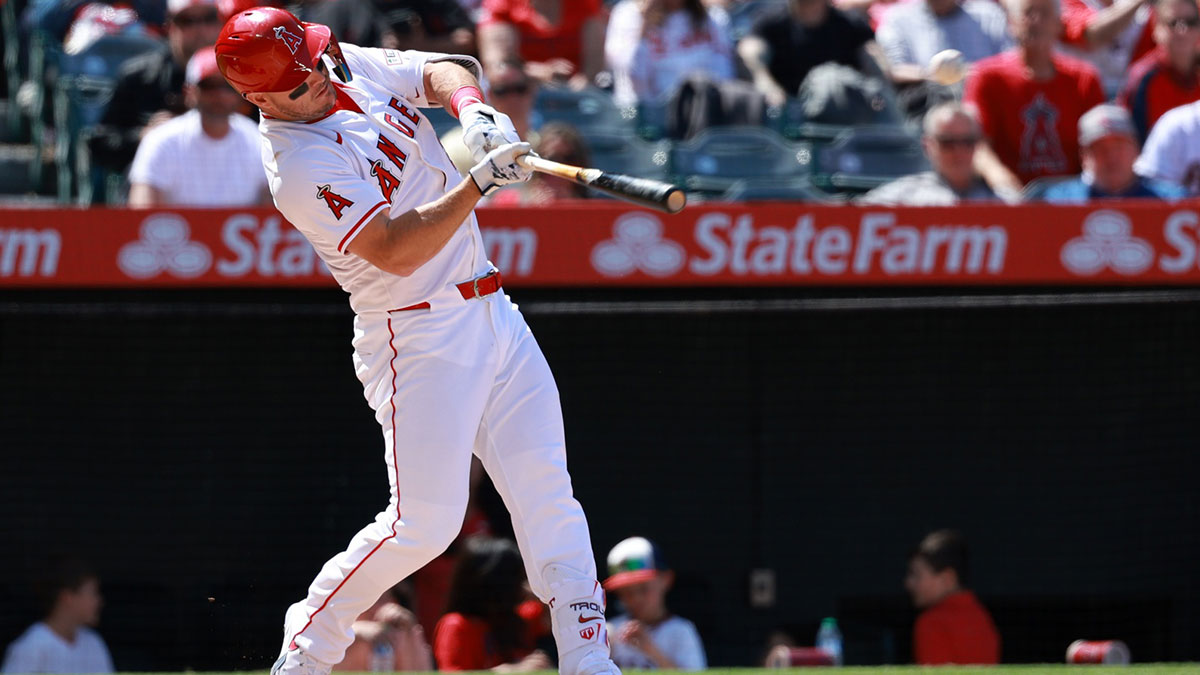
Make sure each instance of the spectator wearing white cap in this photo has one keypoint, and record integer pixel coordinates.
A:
(149, 87)
(648, 635)
(1108, 148)
(208, 157)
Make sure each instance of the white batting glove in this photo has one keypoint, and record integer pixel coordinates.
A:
(500, 167)
(485, 129)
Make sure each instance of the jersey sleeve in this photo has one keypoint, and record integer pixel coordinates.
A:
(1164, 156)
(1091, 91)
(324, 198)
(404, 71)
(1075, 19)
(894, 43)
(978, 96)
(457, 645)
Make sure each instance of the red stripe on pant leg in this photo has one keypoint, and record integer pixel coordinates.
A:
(395, 468)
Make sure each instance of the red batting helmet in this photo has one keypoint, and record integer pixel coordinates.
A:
(267, 49)
(227, 8)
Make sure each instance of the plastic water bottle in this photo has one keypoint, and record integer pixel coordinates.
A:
(829, 638)
(383, 657)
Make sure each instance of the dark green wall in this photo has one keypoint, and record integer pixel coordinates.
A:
(216, 445)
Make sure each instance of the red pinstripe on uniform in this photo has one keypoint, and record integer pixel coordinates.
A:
(395, 468)
(370, 212)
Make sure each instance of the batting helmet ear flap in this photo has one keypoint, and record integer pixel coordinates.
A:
(340, 67)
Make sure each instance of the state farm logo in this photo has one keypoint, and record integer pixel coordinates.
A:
(164, 247)
(637, 244)
(1107, 241)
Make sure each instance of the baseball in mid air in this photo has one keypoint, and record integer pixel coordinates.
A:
(947, 67)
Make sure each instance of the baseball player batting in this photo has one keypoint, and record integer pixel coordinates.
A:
(446, 361)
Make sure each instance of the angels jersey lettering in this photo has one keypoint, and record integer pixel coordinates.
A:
(375, 152)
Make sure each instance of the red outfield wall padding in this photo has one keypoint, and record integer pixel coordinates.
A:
(606, 244)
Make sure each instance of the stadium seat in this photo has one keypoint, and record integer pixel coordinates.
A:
(589, 111)
(776, 188)
(81, 94)
(861, 158)
(623, 153)
(12, 69)
(713, 162)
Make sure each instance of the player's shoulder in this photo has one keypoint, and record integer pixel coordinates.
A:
(983, 9)
(1185, 118)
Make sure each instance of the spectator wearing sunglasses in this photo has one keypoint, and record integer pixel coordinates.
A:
(511, 91)
(951, 136)
(149, 88)
(207, 157)
(1169, 76)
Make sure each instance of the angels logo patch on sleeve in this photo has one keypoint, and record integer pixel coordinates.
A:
(336, 203)
(393, 57)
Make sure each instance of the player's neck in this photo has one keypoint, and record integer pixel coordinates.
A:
(63, 626)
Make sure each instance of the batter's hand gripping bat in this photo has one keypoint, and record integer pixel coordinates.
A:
(652, 193)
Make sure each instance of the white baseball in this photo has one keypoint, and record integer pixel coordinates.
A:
(947, 67)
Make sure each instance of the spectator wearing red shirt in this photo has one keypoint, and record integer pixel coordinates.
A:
(559, 40)
(492, 620)
(1168, 77)
(953, 626)
(1109, 34)
(1029, 101)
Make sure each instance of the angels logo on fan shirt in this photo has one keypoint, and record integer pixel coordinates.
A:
(1041, 149)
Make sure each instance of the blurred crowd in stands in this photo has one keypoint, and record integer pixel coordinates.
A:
(828, 101)
(472, 609)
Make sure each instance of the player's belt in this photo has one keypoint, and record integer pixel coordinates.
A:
(481, 286)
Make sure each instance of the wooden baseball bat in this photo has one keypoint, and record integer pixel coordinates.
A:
(652, 193)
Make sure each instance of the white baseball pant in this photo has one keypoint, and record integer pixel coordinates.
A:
(466, 377)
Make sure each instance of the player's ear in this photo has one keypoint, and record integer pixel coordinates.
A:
(255, 97)
(668, 579)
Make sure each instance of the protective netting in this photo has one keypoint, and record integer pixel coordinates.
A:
(217, 445)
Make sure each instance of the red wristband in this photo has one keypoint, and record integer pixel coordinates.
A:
(464, 96)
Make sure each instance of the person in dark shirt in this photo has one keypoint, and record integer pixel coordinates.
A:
(149, 87)
(1109, 147)
(783, 46)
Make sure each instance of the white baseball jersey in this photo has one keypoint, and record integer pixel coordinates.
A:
(448, 377)
(374, 151)
(1172, 150)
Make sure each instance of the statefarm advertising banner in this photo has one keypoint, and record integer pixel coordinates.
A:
(608, 244)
